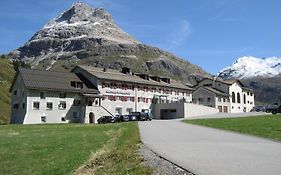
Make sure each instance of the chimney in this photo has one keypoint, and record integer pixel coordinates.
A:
(214, 81)
(125, 70)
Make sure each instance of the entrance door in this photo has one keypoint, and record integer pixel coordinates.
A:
(91, 117)
(220, 108)
(225, 109)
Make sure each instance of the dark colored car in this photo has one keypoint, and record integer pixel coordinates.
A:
(276, 110)
(122, 118)
(259, 108)
(141, 116)
(125, 118)
(132, 117)
(269, 108)
(106, 119)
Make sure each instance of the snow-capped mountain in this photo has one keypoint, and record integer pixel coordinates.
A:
(249, 67)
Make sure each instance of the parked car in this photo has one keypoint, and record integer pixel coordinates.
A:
(276, 110)
(132, 117)
(269, 108)
(259, 108)
(106, 119)
(125, 118)
(141, 116)
(118, 118)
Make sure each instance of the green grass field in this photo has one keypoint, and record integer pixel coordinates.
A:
(71, 149)
(262, 126)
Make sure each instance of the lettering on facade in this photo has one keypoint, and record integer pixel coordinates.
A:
(117, 92)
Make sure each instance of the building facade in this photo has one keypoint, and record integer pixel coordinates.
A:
(228, 96)
(40, 96)
(87, 93)
(124, 92)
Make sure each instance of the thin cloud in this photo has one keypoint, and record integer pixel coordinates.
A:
(180, 34)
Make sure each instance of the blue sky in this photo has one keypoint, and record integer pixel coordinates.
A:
(209, 33)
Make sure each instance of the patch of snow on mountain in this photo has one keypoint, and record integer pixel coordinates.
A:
(248, 66)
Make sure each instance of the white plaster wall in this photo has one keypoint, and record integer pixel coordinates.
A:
(223, 103)
(250, 100)
(52, 116)
(136, 105)
(192, 110)
(236, 107)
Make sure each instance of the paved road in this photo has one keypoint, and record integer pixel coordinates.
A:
(207, 151)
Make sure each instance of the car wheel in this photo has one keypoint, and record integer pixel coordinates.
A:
(274, 112)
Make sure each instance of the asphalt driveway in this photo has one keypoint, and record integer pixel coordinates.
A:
(207, 151)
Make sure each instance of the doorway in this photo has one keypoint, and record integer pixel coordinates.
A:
(91, 118)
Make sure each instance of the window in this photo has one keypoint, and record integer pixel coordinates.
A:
(118, 110)
(209, 99)
(233, 97)
(43, 119)
(251, 94)
(42, 95)
(219, 99)
(244, 99)
(62, 119)
(49, 105)
(23, 105)
(75, 115)
(15, 92)
(129, 110)
(76, 102)
(78, 85)
(62, 95)
(238, 97)
(62, 105)
(36, 105)
(96, 102)
(16, 106)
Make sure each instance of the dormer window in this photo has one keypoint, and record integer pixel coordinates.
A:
(77, 84)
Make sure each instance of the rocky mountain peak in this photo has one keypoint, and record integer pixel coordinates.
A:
(83, 21)
(81, 12)
(89, 36)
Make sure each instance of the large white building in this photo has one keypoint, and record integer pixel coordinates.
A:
(40, 96)
(228, 96)
(87, 93)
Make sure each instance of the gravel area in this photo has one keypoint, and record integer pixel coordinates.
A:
(160, 165)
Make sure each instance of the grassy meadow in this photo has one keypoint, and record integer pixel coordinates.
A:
(268, 126)
(6, 76)
(71, 149)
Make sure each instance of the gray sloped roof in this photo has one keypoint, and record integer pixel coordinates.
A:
(115, 75)
(216, 91)
(50, 80)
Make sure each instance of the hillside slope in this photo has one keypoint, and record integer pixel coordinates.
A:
(267, 90)
(6, 76)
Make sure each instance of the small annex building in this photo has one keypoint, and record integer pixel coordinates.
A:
(229, 96)
(40, 96)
